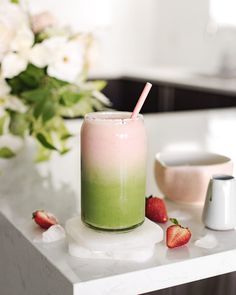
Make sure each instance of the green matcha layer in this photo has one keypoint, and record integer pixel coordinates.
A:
(110, 205)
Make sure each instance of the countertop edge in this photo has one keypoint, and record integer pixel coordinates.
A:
(162, 276)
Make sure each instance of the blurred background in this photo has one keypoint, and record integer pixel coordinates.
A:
(198, 36)
(186, 48)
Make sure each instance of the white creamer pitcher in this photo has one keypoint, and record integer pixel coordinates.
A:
(219, 211)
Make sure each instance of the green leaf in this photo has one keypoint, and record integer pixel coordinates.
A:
(35, 95)
(64, 151)
(16, 85)
(83, 107)
(2, 124)
(48, 110)
(32, 76)
(99, 84)
(97, 105)
(43, 103)
(43, 154)
(70, 98)
(58, 126)
(40, 37)
(38, 109)
(15, 1)
(26, 80)
(94, 85)
(6, 153)
(66, 136)
(18, 124)
(174, 220)
(42, 139)
(53, 83)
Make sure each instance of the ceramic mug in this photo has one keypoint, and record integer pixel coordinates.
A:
(219, 211)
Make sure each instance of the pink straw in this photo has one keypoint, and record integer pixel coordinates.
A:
(141, 100)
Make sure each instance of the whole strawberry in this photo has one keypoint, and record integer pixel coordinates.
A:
(176, 235)
(44, 219)
(156, 209)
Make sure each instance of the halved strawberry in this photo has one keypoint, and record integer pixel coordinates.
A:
(44, 219)
(156, 209)
(176, 235)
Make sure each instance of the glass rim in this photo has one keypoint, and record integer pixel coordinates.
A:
(103, 116)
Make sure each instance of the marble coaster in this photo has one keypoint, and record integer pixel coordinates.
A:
(135, 245)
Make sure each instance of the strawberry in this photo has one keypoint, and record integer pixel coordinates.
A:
(176, 235)
(44, 219)
(156, 209)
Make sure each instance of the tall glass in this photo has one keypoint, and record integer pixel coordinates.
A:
(113, 170)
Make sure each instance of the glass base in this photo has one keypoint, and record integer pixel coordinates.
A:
(111, 229)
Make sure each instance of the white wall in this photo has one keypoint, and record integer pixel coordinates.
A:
(146, 32)
(181, 37)
(180, 33)
(123, 26)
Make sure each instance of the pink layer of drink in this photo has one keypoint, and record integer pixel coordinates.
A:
(110, 142)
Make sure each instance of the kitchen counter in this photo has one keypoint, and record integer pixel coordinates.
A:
(186, 78)
(31, 268)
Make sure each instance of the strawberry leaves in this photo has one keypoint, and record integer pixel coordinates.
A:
(174, 220)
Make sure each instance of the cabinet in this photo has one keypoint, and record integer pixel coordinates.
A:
(164, 97)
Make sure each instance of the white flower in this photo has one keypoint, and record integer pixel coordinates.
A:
(13, 64)
(16, 61)
(14, 143)
(8, 101)
(41, 21)
(68, 62)
(63, 57)
(15, 104)
(11, 19)
(23, 39)
(39, 55)
(42, 54)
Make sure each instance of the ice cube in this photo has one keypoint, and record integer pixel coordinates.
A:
(208, 241)
(54, 233)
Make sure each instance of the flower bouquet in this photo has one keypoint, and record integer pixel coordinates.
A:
(43, 78)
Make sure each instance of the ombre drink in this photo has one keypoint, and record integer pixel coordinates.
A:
(113, 170)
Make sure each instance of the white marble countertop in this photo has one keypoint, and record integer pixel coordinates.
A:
(33, 268)
(183, 77)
